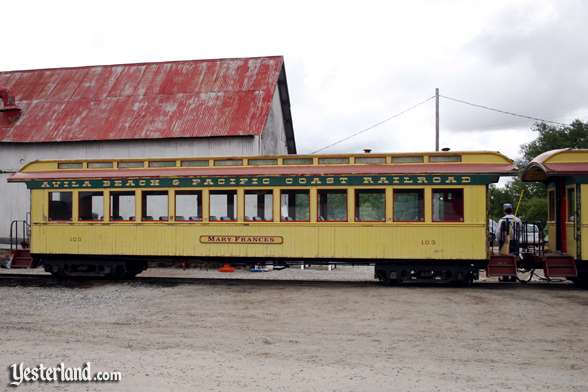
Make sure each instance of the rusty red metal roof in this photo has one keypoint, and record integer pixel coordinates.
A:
(181, 99)
(405, 169)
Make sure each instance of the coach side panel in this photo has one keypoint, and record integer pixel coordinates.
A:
(465, 240)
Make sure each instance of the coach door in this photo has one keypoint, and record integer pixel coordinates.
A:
(558, 202)
(572, 219)
(566, 217)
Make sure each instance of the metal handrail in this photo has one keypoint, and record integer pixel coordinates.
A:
(14, 234)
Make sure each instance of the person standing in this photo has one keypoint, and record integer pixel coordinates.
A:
(509, 235)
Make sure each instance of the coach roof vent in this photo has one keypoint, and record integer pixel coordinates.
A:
(9, 112)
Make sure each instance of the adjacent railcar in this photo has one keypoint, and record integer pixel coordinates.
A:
(565, 173)
(415, 215)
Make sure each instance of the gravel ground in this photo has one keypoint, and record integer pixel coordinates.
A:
(340, 333)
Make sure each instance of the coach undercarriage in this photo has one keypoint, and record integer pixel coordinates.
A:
(67, 266)
(387, 272)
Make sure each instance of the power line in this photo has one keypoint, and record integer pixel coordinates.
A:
(373, 125)
(503, 111)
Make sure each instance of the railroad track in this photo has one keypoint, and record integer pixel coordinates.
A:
(46, 280)
(10, 279)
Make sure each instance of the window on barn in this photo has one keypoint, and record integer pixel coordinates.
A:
(409, 205)
(154, 206)
(189, 206)
(332, 205)
(448, 205)
(122, 206)
(295, 205)
(91, 206)
(223, 205)
(60, 206)
(259, 205)
(370, 205)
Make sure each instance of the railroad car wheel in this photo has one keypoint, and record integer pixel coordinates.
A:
(59, 275)
(580, 282)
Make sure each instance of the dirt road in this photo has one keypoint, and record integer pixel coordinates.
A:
(287, 336)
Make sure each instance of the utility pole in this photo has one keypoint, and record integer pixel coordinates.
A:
(436, 119)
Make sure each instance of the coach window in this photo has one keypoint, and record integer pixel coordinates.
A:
(332, 205)
(295, 205)
(551, 206)
(258, 205)
(189, 206)
(409, 205)
(447, 205)
(154, 206)
(91, 206)
(370, 205)
(122, 206)
(571, 204)
(60, 206)
(223, 206)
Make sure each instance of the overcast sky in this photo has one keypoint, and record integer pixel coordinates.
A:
(349, 64)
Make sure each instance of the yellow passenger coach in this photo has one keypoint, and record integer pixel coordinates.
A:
(565, 174)
(414, 215)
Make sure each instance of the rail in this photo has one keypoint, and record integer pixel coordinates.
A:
(531, 238)
(20, 232)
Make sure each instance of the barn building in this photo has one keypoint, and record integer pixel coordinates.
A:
(219, 107)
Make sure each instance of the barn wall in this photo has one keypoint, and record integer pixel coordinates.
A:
(14, 198)
(273, 138)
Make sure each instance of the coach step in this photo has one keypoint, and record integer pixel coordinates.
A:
(20, 258)
(560, 267)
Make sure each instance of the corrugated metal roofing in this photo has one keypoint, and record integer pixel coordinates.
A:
(183, 99)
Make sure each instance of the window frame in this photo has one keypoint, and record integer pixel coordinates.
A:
(188, 192)
(236, 205)
(433, 190)
(79, 205)
(110, 204)
(571, 189)
(72, 209)
(356, 204)
(154, 192)
(269, 191)
(422, 204)
(307, 190)
(318, 204)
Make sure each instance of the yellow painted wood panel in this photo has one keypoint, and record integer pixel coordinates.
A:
(406, 241)
(552, 236)
(573, 156)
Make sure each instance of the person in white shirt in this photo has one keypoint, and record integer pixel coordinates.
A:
(509, 232)
(509, 236)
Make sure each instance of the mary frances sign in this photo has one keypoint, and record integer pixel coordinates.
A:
(249, 181)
